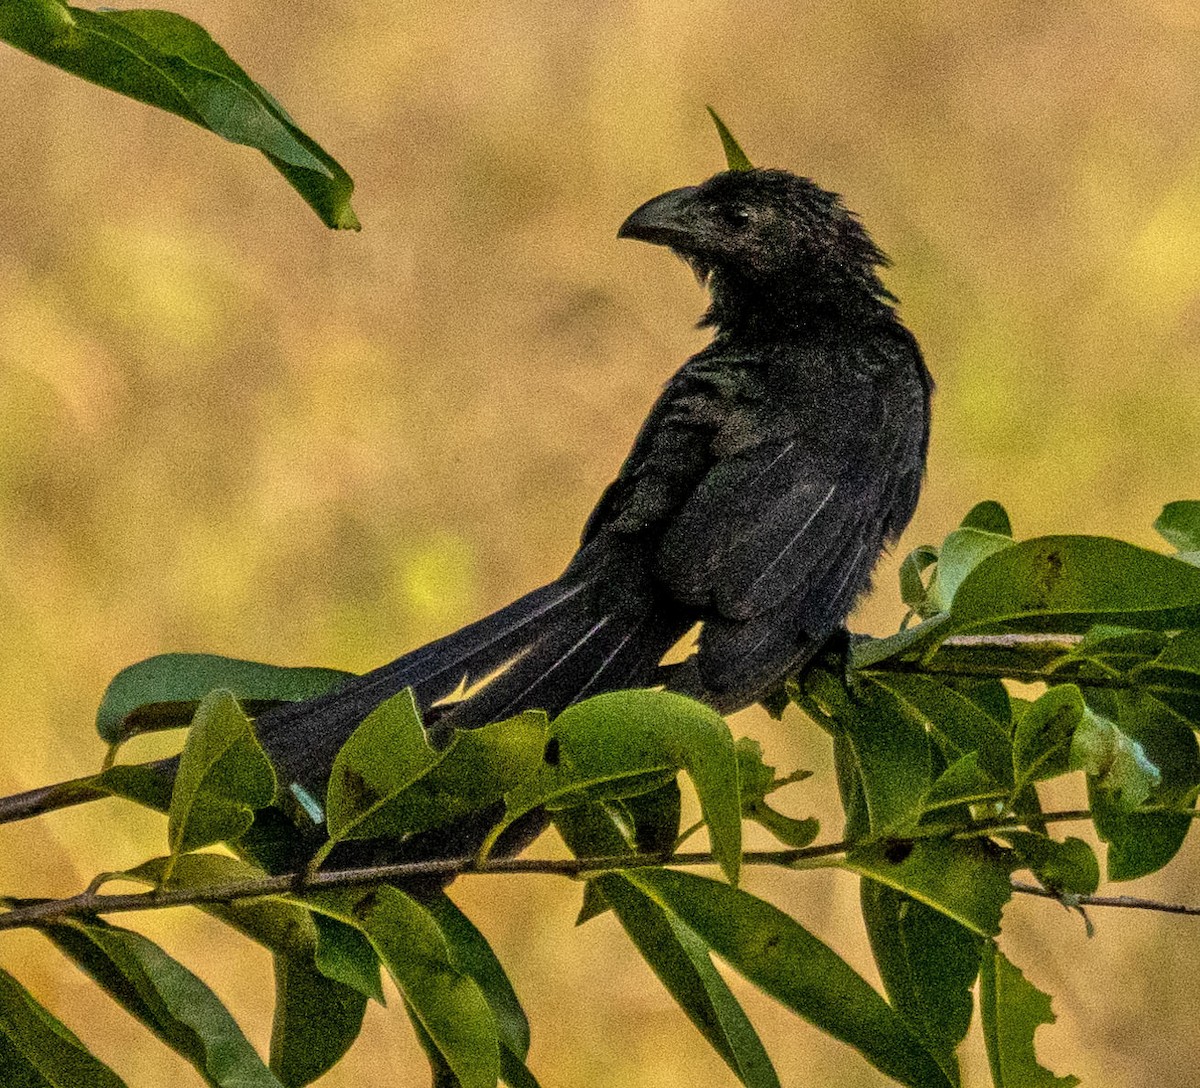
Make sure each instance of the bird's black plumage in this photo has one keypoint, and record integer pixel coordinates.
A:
(767, 479)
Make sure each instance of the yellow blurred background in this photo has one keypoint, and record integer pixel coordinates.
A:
(226, 428)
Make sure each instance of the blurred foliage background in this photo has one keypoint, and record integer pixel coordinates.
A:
(225, 428)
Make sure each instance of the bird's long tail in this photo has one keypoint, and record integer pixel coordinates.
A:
(561, 643)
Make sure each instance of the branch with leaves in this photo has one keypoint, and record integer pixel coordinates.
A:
(939, 767)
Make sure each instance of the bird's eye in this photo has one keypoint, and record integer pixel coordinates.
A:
(736, 215)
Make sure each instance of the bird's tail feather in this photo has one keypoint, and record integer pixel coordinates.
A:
(556, 645)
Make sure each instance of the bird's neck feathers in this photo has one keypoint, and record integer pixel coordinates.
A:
(807, 300)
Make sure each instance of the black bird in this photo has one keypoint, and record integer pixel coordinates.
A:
(766, 481)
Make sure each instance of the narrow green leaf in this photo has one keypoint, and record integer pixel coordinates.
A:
(963, 782)
(449, 1003)
(892, 755)
(966, 880)
(681, 961)
(1179, 524)
(928, 964)
(223, 777)
(317, 1018)
(623, 743)
(1043, 737)
(735, 157)
(163, 692)
(471, 954)
(1012, 1010)
(957, 723)
(346, 956)
(37, 1050)
(166, 997)
(382, 757)
(1069, 583)
(782, 958)
(912, 642)
(168, 61)
(913, 590)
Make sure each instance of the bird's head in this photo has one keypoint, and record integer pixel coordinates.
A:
(770, 245)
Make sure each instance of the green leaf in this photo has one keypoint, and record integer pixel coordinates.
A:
(1069, 583)
(681, 961)
(168, 61)
(757, 781)
(471, 954)
(891, 753)
(963, 782)
(1172, 674)
(961, 552)
(1068, 866)
(223, 777)
(37, 1050)
(913, 590)
(165, 996)
(653, 817)
(1140, 843)
(1042, 741)
(621, 743)
(966, 880)
(957, 723)
(735, 157)
(928, 964)
(381, 758)
(163, 692)
(141, 783)
(1012, 1010)
(787, 962)
(475, 770)
(346, 956)
(1116, 765)
(1179, 524)
(317, 1018)
(451, 1006)
(989, 516)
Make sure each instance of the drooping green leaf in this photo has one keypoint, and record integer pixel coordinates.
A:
(346, 956)
(1179, 524)
(168, 61)
(961, 552)
(928, 964)
(1069, 583)
(381, 758)
(223, 777)
(449, 1003)
(1012, 1010)
(628, 742)
(1069, 866)
(37, 1050)
(966, 880)
(1042, 740)
(471, 954)
(891, 753)
(681, 961)
(165, 996)
(1140, 843)
(317, 1018)
(957, 722)
(735, 157)
(787, 962)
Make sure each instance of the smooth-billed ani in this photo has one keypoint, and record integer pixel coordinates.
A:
(767, 479)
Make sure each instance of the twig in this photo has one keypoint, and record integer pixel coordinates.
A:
(1130, 902)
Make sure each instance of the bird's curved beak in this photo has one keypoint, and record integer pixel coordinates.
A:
(666, 220)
